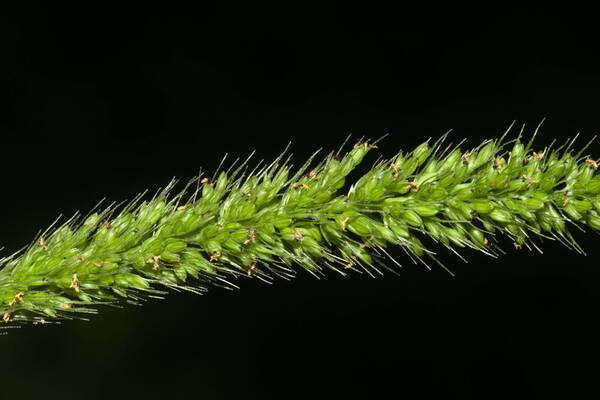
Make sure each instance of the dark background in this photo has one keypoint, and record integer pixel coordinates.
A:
(99, 103)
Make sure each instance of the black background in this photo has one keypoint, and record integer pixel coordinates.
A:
(106, 103)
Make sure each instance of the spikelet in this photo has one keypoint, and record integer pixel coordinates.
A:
(273, 222)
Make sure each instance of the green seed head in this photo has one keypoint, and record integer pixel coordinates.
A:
(275, 220)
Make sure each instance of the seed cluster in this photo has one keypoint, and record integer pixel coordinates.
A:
(266, 223)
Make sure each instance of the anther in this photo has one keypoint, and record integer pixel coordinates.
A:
(75, 283)
(251, 236)
(154, 261)
(498, 161)
(344, 223)
(528, 179)
(396, 168)
(251, 268)
(18, 299)
(593, 164)
(367, 244)
(366, 145)
(247, 191)
(215, 256)
(411, 184)
(298, 235)
(43, 244)
(465, 157)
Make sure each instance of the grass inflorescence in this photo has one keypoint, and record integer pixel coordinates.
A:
(273, 221)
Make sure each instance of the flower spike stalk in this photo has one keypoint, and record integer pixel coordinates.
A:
(273, 221)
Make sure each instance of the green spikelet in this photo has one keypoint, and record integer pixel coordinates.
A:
(272, 222)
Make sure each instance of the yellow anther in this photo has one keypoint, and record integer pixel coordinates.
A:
(412, 185)
(154, 262)
(465, 157)
(251, 236)
(366, 145)
(344, 223)
(528, 179)
(75, 283)
(18, 299)
(592, 163)
(43, 244)
(215, 256)
(498, 161)
(298, 235)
